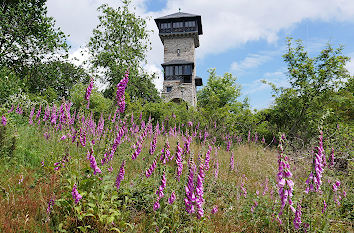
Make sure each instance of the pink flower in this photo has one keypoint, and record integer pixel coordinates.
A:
(172, 198)
(76, 195)
(120, 176)
(3, 120)
(214, 210)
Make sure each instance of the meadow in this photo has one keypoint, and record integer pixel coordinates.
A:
(65, 170)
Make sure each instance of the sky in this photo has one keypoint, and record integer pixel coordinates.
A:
(244, 37)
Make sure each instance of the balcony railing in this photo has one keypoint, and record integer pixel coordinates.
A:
(181, 78)
(181, 29)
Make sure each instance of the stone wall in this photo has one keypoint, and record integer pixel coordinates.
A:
(186, 46)
(184, 91)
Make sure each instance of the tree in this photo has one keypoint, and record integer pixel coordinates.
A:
(299, 109)
(219, 91)
(120, 42)
(27, 35)
(56, 76)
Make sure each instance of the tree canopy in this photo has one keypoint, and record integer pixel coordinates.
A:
(119, 43)
(27, 35)
(298, 110)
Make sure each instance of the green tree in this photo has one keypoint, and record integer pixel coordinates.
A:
(219, 91)
(58, 76)
(298, 110)
(119, 43)
(27, 35)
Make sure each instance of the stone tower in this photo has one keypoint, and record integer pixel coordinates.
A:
(179, 34)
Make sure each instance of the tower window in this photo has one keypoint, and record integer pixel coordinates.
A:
(169, 70)
(190, 24)
(178, 70)
(187, 70)
(178, 25)
(169, 89)
(178, 52)
(165, 25)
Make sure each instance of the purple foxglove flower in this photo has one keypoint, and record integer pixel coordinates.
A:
(331, 158)
(324, 206)
(151, 169)
(172, 198)
(93, 162)
(121, 86)
(297, 219)
(179, 161)
(285, 184)
(200, 191)
(232, 163)
(214, 210)
(76, 195)
(12, 108)
(207, 159)
(120, 176)
(153, 145)
(30, 121)
(88, 93)
(50, 205)
(156, 206)
(3, 120)
(190, 196)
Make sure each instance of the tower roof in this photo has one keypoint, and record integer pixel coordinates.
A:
(178, 15)
(181, 16)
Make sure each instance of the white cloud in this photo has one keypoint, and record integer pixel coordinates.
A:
(251, 61)
(226, 23)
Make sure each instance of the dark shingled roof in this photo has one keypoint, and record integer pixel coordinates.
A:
(177, 62)
(198, 81)
(178, 15)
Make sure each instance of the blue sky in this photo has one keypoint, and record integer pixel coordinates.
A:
(244, 37)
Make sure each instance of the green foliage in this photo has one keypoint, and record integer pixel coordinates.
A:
(10, 84)
(98, 103)
(119, 43)
(27, 35)
(219, 91)
(298, 110)
(56, 77)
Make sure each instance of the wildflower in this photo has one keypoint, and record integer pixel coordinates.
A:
(207, 158)
(159, 192)
(172, 198)
(120, 176)
(319, 163)
(20, 180)
(156, 205)
(30, 121)
(50, 205)
(255, 204)
(121, 86)
(200, 191)
(285, 184)
(179, 161)
(324, 206)
(190, 196)
(39, 112)
(214, 210)
(151, 169)
(297, 219)
(88, 93)
(232, 164)
(93, 162)
(3, 120)
(165, 152)
(76, 195)
(153, 145)
(216, 171)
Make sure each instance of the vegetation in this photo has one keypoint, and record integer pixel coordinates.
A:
(76, 159)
